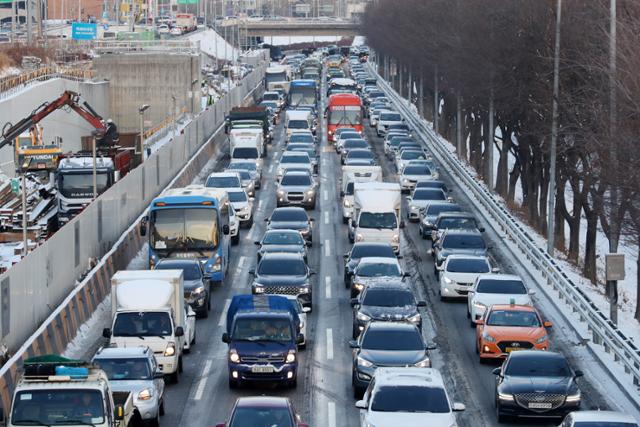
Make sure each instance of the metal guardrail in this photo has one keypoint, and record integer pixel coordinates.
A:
(139, 46)
(604, 332)
(9, 85)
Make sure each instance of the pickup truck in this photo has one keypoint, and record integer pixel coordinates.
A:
(263, 334)
(53, 390)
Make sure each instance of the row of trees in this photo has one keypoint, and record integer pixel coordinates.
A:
(493, 59)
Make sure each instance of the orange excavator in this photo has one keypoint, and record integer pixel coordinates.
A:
(32, 154)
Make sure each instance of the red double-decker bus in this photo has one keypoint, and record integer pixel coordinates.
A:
(344, 110)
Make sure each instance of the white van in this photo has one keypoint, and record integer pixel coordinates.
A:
(350, 176)
(298, 120)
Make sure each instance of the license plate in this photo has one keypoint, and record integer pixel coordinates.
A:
(540, 405)
(262, 369)
(510, 349)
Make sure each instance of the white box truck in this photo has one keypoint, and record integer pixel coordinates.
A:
(350, 176)
(376, 213)
(147, 307)
(248, 137)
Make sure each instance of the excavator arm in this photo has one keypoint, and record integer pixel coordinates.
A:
(67, 99)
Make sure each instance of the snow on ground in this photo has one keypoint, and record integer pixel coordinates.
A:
(286, 40)
(9, 71)
(214, 45)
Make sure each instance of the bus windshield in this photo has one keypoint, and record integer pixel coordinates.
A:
(302, 95)
(350, 115)
(190, 228)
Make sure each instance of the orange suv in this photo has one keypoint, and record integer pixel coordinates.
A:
(507, 328)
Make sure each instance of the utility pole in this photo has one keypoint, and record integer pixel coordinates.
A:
(436, 100)
(551, 206)
(25, 240)
(488, 160)
(459, 144)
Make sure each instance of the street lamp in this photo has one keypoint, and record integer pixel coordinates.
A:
(140, 148)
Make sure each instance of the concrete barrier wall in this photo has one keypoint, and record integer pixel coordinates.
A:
(62, 123)
(41, 292)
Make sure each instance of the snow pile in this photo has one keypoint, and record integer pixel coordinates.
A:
(214, 45)
(9, 71)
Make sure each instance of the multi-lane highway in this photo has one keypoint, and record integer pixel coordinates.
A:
(324, 396)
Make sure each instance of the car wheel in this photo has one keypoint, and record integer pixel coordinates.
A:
(193, 341)
(345, 220)
(161, 408)
(478, 349)
(354, 332)
(501, 418)
(180, 367)
(235, 239)
(472, 323)
(174, 377)
(293, 383)
(233, 384)
(154, 422)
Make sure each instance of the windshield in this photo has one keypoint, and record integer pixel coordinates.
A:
(289, 215)
(377, 220)
(248, 166)
(390, 117)
(125, 369)
(189, 228)
(463, 242)
(534, 366)
(435, 209)
(429, 194)
(412, 155)
(460, 265)
(298, 159)
(223, 182)
(302, 95)
(142, 324)
(526, 319)
(416, 170)
(290, 179)
(388, 298)
(406, 339)
(261, 417)
(490, 286)
(349, 135)
(277, 76)
(282, 267)
(301, 137)
(62, 406)
(408, 398)
(190, 270)
(464, 223)
(283, 239)
(298, 124)
(81, 185)
(363, 251)
(245, 153)
(360, 154)
(341, 116)
(377, 270)
(237, 196)
(262, 330)
(355, 143)
(271, 97)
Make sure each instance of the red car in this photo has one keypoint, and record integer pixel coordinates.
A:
(263, 412)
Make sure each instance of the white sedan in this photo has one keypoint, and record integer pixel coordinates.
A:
(460, 272)
(407, 397)
(492, 289)
(598, 418)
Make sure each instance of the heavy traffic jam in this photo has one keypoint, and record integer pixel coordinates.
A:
(323, 120)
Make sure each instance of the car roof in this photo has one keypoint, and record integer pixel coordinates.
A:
(289, 209)
(428, 377)
(537, 353)
(378, 260)
(224, 174)
(514, 307)
(371, 244)
(123, 352)
(461, 232)
(603, 416)
(497, 276)
(470, 257)
(282, 256)
(392, 326)
(392, 285)
(262, 401)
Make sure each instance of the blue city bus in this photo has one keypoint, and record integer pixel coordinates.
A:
(303, 93)
(191, 222)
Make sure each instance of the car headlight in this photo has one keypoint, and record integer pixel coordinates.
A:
(170, 350)
(197, 292)
(479, 306)
(280, 193)
(346, 203)
(358, 286)
(505, 397)
(405, 180)
(291, 356)
(234, 357)
(574, 397)
(217, 265)
(446, 280)
(363, 362)
(363, 317)
(280, 171)
(542, 339)
(258, 288)
(359, 237)
(416, 318)
(145, 394)
(425, 363)
(304, 289)
(487, 337)
(311, 192)
(395, 238)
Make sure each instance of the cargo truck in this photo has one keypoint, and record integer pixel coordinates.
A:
(147, 307)
(350, 176)
(53, 390)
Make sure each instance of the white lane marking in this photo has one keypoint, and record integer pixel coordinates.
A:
(325, 195)
(327, 287)
(223, 315)
(326, 217)
(270, 168)
(249, 235)
(240, 264)
(203, 381)
(329, 344)
(260, 204)
(327, 248)
(331, 414)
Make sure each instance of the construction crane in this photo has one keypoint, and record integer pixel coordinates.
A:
(31, 154)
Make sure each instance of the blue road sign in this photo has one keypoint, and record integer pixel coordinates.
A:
(84, 31)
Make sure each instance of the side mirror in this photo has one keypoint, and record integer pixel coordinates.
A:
(402, 224)
(256, 243)
(266, 220)
(118, 412)
(353, 344)
(400, 257)
(342, 194)
(479, 322)
(306, 309)
(299, 339)
(312, 220)
(143, 226)
(547, 324)
(221, 425)
(303, 425)
(406, 274)
(354, 302)
(431, 346)
(481, 229)
(252, 271)
(225, 338)
(106, 333)
(421, 304)
(578, 373)
(361, 404)
(532, 292)
(495, 270)
(251, 199)
(225, 229)
(179, 331)
(158, 375)
(497, 371)
(345, 256)
(312, 272)
(458, 407)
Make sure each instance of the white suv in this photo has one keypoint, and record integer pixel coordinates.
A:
(407, 397)
(386, 119)
(495, 289)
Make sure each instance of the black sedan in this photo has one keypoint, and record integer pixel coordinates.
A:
(386, 344)
(385, 302)
(281, 241)
(538, 384)
(364, 250)
(263, 411)
(291, 218)
(281, 273)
